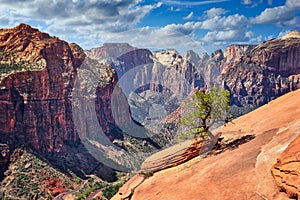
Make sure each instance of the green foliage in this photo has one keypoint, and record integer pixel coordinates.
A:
(203, 110)
(77, 180)
(111, 190)
(98, 185)
(9, 62)
(29, 174)
(147, 174)
(6, 68)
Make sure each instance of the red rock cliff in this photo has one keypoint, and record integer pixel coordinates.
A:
(35, 99)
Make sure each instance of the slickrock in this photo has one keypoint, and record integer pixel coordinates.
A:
(237, 173)
(286, 171)
(178, 154)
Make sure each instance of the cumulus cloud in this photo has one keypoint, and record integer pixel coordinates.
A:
(293, 4)
(281, 15)
(225, 23)
(226, 36)
(184, 29)
(189, 16)
(191, 3)
(274, 15)
(223, 29)
(216, 23)
(215, 12)
(79, 16)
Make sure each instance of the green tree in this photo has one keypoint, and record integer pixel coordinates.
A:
(202, 110)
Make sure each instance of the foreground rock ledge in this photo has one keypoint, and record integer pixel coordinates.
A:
(286, 171)
(242, 173)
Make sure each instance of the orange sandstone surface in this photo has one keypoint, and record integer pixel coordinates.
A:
(267, 167)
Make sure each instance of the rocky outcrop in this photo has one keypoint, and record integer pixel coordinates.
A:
(36, 102)
(38, 72)
(121, 56)
(262, 73)
(109, 51)
(178, 154)
(96, 95)
(234, 53)
(155, 83)
(240, 172)
(286, 171)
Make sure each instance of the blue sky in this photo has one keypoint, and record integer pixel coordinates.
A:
(204, 25)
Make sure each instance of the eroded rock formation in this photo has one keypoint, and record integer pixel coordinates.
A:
(37, 78)
(240, 172)
(262, 73)
(286, 171)
(35, 101)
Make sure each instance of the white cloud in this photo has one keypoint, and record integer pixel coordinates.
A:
(191, 3)
(293, 3)
(283, 33)
(78, 17)
(156, 38)
(256, 40)
(226, 36)
(214, 12)
(247, 2)
(184, 29)
(189, 16)
(224, 29)
(225, 23)
(295, 22)
(274, 15)
(282, 15)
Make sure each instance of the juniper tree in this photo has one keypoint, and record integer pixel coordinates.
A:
(202, 110)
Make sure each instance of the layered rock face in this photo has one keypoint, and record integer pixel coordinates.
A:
(234, 53)
(253, 74)
(35, 100)
(286, 171)
(262, 73)
(121, 56)
(93, 106)
(156, 83)
(109, 51)
(37, 78)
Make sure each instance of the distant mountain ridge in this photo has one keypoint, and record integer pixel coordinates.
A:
(254, 74)
(267, 71)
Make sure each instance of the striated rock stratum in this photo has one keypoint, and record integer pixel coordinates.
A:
(37, 76)
(263, 72)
